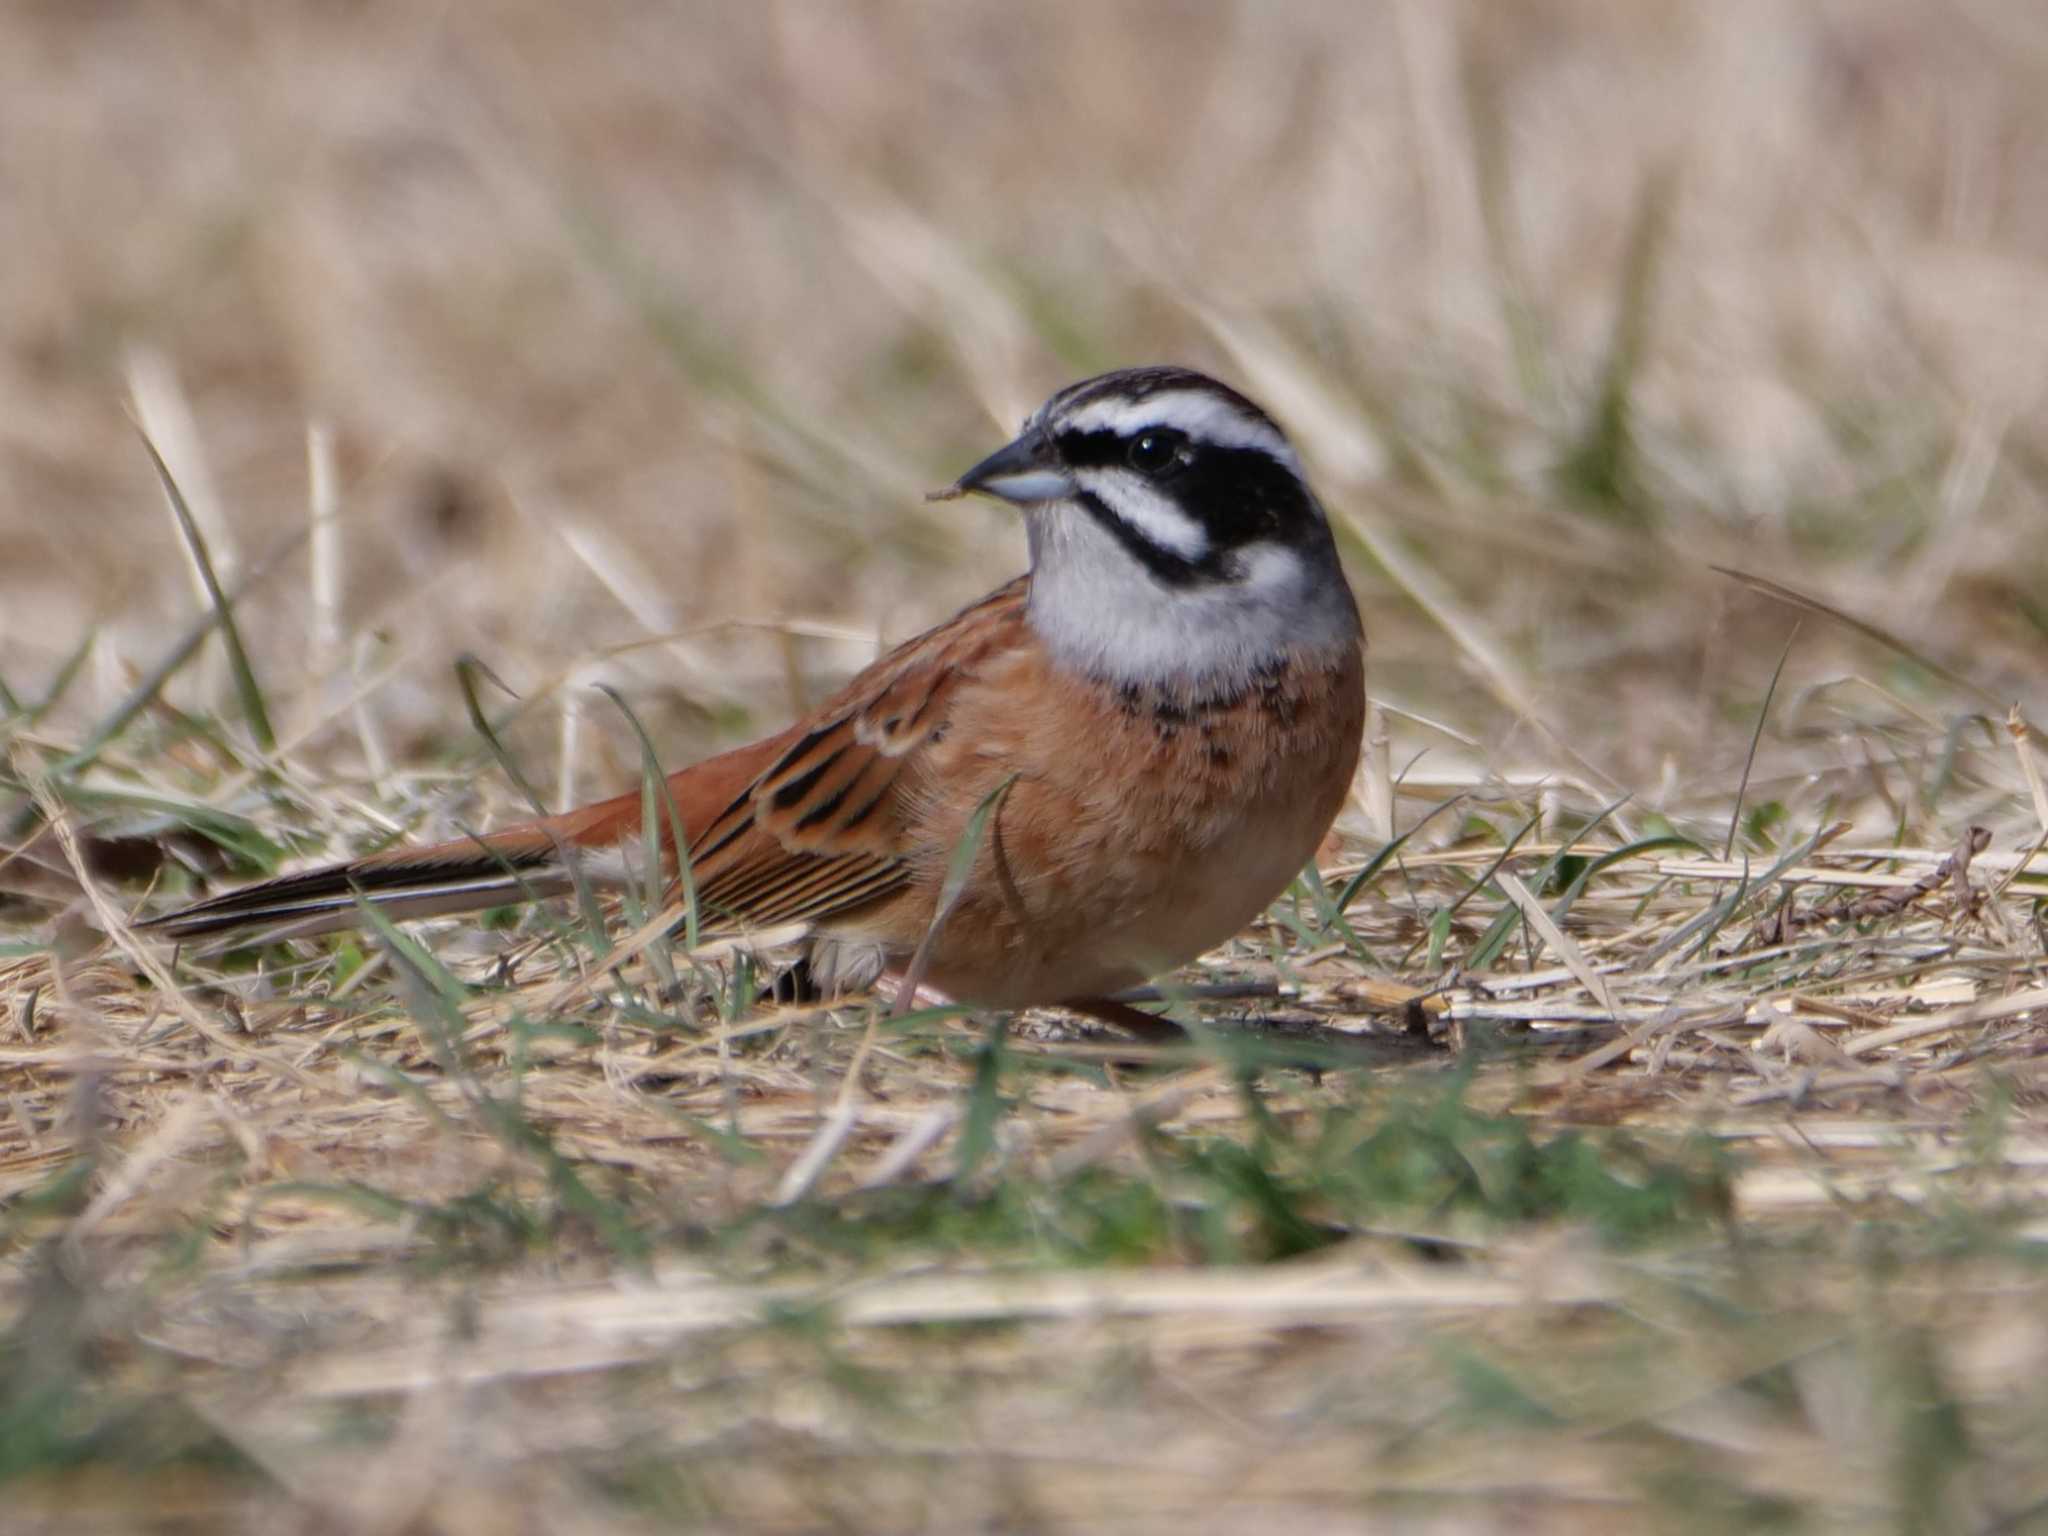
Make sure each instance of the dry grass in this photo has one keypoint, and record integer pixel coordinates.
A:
(1652, 1139)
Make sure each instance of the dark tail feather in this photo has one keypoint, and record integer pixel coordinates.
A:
(511, 866)
(517, 863)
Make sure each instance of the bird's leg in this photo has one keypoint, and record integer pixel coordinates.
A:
(1146, 1026)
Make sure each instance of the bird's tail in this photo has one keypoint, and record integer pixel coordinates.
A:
(519, 863)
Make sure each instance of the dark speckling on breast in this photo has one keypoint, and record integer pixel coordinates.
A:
(1168, 706)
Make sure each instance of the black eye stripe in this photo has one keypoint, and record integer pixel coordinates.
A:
(1158, 451)
(1238, 495)
(1102, 448)
(1099, 449)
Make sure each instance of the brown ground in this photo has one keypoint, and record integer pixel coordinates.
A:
(638, 331)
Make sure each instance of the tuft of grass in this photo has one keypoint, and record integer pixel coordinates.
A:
(1602, 469)
(1531, 1164)
(1298, 1183)
(255, 712)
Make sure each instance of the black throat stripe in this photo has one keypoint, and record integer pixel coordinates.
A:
(1169, 568)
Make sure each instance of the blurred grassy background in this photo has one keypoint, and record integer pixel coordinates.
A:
(638, 319)
(639, 330)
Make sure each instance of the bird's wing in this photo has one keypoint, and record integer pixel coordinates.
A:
(829, 824)
(805, 824)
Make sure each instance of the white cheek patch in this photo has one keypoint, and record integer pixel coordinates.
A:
(1105, 615)
(1205, 418)
(1156, 518)
(1270, 570)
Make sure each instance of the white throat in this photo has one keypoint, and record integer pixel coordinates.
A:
(1101, 612)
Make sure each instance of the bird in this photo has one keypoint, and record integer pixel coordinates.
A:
(1139, 742)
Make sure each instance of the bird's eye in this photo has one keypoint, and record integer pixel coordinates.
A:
(1152, 452)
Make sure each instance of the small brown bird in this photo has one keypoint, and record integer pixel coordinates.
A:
(1163, 714)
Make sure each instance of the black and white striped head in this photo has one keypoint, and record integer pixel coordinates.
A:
(1172, 533)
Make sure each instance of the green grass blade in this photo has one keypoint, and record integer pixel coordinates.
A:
(138, 699)
(957, 871)
(1495, 939)
(1602, 468)
(1884, 637)
(1716, 916)
(1612, 857)
(66, 674)
(59, 685)
(435, 996)
(439, 985)
(984, 1105)
(653, 782)
(246, 688)
(1379, 861)
(187, 646)
(1507, 851)
(468, 668)
(1755, 738)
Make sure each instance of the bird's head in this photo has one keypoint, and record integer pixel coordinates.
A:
(1171, 528)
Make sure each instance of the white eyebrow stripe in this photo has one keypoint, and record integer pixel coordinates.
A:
(1204, 417)
(1158, 519)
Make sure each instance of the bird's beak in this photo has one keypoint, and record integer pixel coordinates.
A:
(1025, 472)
